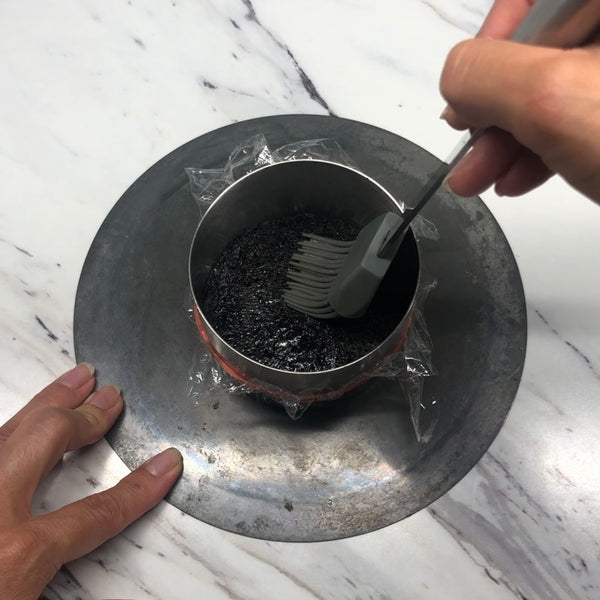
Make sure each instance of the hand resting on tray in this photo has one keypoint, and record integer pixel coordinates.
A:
(65, 416)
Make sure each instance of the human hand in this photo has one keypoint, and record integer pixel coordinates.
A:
(542, 105)
(64, 417)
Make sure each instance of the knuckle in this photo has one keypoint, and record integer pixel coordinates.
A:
(106, 509)
(455, 69)
(28, 556)
(65, 428)
(53, 422)
(53, 395)
(18, 544)
(93, 416)
(458, 52)
(21, 545)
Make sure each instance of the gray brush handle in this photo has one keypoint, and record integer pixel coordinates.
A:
(558, 23)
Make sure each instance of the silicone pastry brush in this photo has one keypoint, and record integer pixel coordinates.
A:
(328, 278)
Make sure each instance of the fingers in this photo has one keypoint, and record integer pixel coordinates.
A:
(82, 526)
(68, 391)
(549, 99)
(491, 157)
(487, 81)
(497, 158)
(41, 439)
(524, 175)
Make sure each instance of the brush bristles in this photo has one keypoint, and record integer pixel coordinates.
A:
(312, 272)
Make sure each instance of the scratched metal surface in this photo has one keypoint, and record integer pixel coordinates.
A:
(350, 467)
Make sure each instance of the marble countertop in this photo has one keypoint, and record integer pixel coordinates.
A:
(96, 92)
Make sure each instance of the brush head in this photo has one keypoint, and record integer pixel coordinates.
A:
(312, 272)
(328, 278)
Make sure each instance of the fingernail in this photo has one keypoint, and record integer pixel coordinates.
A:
(77, 376)
(106, 397)
(445, 113)
(446, 185)
(163, 463)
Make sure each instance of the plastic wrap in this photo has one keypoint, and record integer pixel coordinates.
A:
(408, 366)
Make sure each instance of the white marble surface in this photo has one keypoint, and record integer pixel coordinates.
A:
(93, 93)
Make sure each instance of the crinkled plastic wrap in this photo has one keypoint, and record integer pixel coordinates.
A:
(207, 184)
(408, 366)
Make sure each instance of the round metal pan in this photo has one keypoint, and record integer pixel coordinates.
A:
(354, 466)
